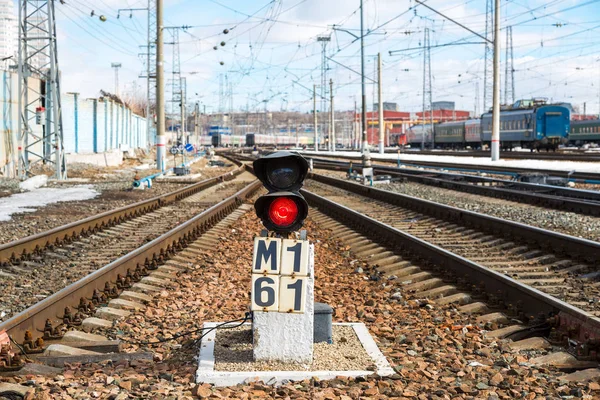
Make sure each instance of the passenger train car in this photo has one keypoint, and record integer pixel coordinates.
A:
(527, 125)
(587, 131)
(254, 139)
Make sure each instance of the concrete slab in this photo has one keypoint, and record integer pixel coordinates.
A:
(145, 288)
(504, 332)
(534, 343)
(163, 275)
(135, 296)
(111, 314)
(57, 350)
(11, 390)
(150, 280)
(126, 304)
(496, 317)
(553, 359)
(458, 298)
(582, 376)
(207, 374)
(92, 323)
(474, 308)
(78, 336)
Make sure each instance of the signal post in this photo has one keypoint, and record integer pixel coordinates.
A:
(282, 293)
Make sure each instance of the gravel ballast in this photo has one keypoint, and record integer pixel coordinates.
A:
(437, 352)
(233, 352)
(569, 223)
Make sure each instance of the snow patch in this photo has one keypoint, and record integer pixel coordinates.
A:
(472, 162)
(34, 183)
(34, 199)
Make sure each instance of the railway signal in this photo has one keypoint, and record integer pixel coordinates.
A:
(283, 209)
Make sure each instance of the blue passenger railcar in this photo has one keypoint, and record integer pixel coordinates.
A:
(529, 125)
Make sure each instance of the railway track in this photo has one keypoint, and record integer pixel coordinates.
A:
(93, 300)
(536, 277)
(564, 199)
(575, 176)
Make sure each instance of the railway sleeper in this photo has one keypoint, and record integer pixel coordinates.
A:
(426, 285)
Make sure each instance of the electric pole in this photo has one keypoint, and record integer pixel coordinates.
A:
(332, 124)
(380, 100)
(183, 114)
(489, 50)
(365, 142)
(496, 106)
(160, 89)
(116, 66)
(509, 71)
(324, 40)
(315, 117)
(426, 86)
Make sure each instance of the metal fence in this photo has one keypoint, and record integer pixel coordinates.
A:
(89, 125)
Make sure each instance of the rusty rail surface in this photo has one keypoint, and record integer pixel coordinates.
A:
(123, 270)
(14, 251)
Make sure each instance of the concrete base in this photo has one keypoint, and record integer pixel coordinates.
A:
(206, 365)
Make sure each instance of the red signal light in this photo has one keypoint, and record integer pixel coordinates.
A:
(283, 212)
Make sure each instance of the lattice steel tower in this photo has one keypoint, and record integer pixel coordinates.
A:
(40, 134)
(509, 71)
(324, 40)
(176, 76)
(151, 70)
(427, 90)
(488, 77)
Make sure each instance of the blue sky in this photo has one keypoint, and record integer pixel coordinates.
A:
(271, 55)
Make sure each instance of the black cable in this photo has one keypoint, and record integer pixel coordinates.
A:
(18, 345)
(179, 335)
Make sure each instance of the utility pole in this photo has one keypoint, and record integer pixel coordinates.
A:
(176, 95)
(496, 106)
(509, 71)
(315, 118)
(365, 142)
(380, 99)
(476, 109)
(426, 86)
(183, 113)
(489, 66)
(324, 40)
(116, 66)
(355, 127)
(39, 127)
(160, 89)
(332, 124)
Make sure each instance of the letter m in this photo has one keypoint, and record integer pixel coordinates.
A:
(266, 257)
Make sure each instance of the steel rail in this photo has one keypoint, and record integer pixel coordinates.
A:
(14, 251)
(534, 301)
(160, 249)
(558, 243)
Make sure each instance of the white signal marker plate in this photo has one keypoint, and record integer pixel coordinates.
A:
(267, 256)
(294, 257)
(292, 294)
(265, 292)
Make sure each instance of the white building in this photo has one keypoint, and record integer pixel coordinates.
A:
(9, 34)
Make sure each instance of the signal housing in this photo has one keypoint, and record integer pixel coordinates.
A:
(283, 174)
